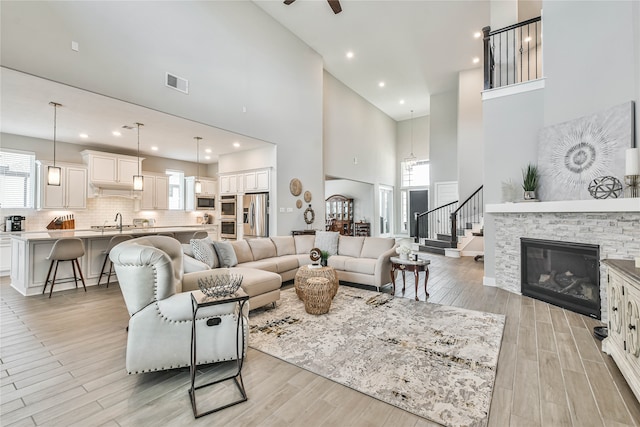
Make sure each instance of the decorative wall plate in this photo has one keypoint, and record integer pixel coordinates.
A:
(315, 254)
(307, 196)
(295, 186)
(298, 203)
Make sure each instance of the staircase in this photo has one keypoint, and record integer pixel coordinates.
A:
(439, 229)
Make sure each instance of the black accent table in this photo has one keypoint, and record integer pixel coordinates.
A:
(199, 300)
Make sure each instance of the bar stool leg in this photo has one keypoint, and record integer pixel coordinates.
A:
(81, 276)
(48, 274)
(75, 277)
(110, 270)
(53, 281)
(104, 264)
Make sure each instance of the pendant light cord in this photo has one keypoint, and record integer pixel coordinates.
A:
(139, 124)
(197, 138)
(412, 155)
(55, 121)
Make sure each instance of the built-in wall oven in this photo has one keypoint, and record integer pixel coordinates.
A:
(228, 207)
(228, 229)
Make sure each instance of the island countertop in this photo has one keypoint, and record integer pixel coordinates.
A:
(92, 233)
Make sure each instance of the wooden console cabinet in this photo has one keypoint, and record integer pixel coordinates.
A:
(339, 211)
(623, 342)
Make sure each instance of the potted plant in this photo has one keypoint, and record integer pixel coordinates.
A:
(403, 251)
(324, 256)
(530, 181)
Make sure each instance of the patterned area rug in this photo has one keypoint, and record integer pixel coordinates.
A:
(435, 361)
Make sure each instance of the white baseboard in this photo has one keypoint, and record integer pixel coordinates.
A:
(489, 281)
(452, 253)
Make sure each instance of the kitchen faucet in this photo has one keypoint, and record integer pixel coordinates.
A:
(120, 225)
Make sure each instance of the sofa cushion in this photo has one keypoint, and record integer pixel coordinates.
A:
(257, 282)
(327, 241)
(287, 263)
(262, 248)
(360, 265)
(350, 246)
(373, 247)
(204, 251)
(186, 249)
(243, 251)
(226, 254)
(338, 261)
(304, 243)
(303, 259)
(285, 245)
(268, 264)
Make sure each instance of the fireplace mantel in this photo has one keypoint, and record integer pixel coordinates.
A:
(608, 205)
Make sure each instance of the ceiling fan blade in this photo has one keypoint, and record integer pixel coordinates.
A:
(335, 6)
(288, 1)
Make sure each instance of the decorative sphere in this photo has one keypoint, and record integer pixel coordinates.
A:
(605, 187)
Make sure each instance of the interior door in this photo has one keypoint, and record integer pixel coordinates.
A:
(418, 203)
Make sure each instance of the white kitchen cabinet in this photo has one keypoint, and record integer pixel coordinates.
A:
(623, 341)
(155, 193)
(256, 180)
(228, 184)
(108, 170)
(5, 256)
(70, 194)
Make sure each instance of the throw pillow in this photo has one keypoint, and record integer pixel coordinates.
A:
(203, 251)
(327, 241)
(226, 254)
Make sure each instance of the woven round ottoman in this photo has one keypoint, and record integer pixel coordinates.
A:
(317, 295)
(304, 273)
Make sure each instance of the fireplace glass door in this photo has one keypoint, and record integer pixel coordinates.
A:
(565, 274)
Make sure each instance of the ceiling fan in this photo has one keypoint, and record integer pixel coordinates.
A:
(335, 5)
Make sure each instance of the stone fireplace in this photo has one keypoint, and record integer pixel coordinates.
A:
(565, 274)
(611, 225)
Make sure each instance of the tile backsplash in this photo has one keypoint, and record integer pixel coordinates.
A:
(102, 211)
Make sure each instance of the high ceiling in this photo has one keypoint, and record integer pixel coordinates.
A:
(416, 47)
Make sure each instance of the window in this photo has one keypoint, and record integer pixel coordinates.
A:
(404, 211)
(176, 189)
(386, 211)
(17, 179)
(416, 175)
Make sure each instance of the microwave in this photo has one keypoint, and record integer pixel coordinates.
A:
(228, 229)
(205, 202)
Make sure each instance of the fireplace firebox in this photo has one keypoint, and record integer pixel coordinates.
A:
(565, 274)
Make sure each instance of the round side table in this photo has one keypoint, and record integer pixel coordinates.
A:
(317, 295)
(305, 272)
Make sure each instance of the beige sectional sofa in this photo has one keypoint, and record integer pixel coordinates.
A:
(362, 260)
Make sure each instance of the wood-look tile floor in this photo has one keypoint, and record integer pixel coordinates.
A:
(62, 363)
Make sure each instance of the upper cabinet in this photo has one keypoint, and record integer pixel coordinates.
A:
(245, 182)
(108, 170)
(155, 193)
(70, 194)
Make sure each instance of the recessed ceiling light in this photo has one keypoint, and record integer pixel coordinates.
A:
(476, 60)
(207, 150)
(477, 34)
(84, 135)
(116, 133)
(154, 148)
(236, 144)
(401, 101)
(349, 54)
(381, 84)
(207, 157)
(527, 39)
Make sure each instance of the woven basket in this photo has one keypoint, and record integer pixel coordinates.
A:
(304, 273)
(317, 295)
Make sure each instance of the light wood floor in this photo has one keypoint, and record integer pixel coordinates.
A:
(62, 363)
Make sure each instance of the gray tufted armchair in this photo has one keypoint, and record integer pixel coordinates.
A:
(149, 271)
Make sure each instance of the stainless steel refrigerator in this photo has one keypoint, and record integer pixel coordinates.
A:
(255, 215)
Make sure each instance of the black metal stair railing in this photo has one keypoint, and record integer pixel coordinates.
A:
(513, 54)
(451, 219)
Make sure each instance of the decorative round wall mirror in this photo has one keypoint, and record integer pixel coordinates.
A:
(309, 215)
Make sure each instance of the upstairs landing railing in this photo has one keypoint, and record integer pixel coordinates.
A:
(513, 54)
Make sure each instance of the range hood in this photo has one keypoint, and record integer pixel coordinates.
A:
(111, 175)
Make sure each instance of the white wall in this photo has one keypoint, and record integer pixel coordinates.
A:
(443, 139)
(470, 133)
(235, 57)
(353, 128)
(589, 63)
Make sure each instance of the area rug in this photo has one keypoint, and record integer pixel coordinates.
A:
(434, 361)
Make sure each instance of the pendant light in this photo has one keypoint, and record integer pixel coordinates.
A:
(197, 185)
(54, 172)
(138, 180)
(411, 160)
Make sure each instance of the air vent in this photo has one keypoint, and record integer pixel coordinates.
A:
(177, 83)
(127, 127)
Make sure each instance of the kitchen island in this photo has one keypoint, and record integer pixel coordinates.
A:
(29, 251)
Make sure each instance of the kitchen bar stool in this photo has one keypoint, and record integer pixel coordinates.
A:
(113, 242)
(65, 249)
(167, 233)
